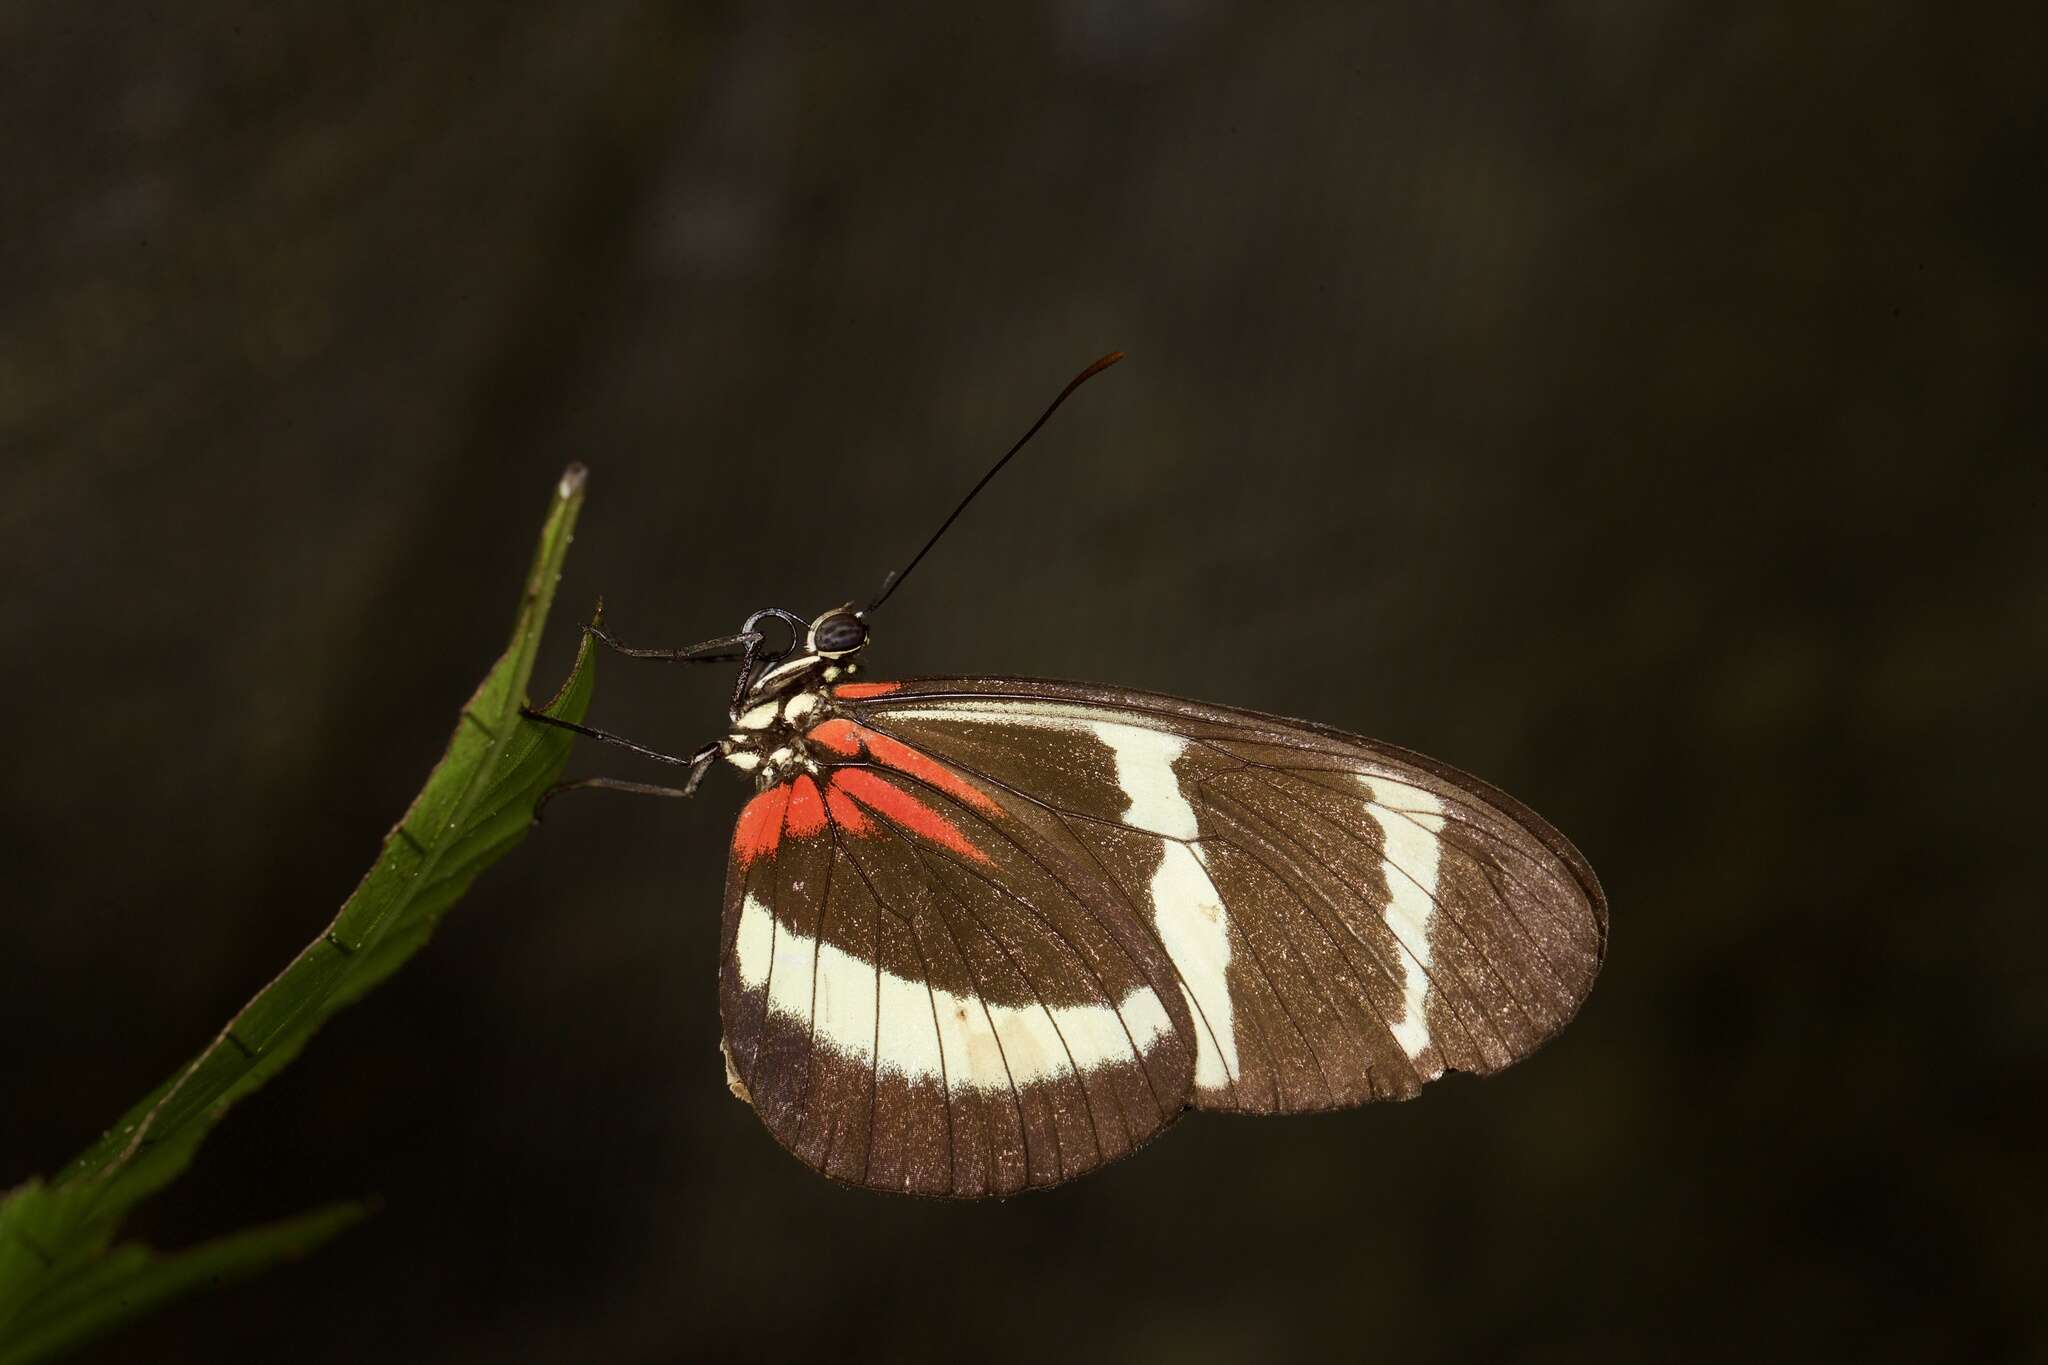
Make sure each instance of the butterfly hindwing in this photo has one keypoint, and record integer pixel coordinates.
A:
(1346, 919)
(921, 994)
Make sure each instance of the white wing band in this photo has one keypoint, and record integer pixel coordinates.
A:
(1411, 823)
(925, 1033)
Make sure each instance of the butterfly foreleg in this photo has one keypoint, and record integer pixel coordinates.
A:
(699, 763)
(699, 759)
(612, 784)
(724, 649)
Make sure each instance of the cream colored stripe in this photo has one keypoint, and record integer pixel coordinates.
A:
(1411, 823)
(1187, 909)
(975, 1043)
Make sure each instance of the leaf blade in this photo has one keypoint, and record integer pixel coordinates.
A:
(474, 807)
(130, 1280)
(431, 825)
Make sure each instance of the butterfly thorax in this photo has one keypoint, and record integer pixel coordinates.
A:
(768, 738)
(789, 697)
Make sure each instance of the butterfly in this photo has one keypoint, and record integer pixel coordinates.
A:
(984, 935)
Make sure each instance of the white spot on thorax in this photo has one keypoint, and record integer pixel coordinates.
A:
(758, 717)
(746, 760)
(1411, 822)
(799, 706)
(923, 1033)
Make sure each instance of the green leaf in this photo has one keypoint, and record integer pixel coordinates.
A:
(131, 1280)
(477, 803)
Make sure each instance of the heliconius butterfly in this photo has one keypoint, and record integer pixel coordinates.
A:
(983, 935)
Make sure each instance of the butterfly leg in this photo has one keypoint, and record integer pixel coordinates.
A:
(744, 647)
(605, 784)
(698, 760)
(698, 763)
(724, 649)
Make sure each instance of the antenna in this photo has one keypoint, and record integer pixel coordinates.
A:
(891, 583)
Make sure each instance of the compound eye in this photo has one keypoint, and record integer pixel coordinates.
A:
(838, 633)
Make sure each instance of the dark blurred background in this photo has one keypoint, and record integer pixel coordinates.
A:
(1636, 403)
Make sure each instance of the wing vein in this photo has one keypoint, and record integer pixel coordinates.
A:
(1052, 873)
(945, 1081)
(1016, 1100)
(1386, 858)
(967, 912)
(1110, 876)
(1258, 962)
(1379, 967)
(1463, 827)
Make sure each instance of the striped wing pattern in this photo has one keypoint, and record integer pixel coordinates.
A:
(921, 996)
(1346, 919)
(1010, 929)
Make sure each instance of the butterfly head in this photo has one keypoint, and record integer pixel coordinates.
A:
(775, 708)
(824, 648)
(837, 634)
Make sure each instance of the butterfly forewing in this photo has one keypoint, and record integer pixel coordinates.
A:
(922, 993)
(1345, 919)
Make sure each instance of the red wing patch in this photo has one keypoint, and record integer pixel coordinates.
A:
(845, 813)
(840, 735)
(760, 824)
(862, 691)
(925, 768)
(806, 815)
(893, 803)
(800, 810)
(843, 736)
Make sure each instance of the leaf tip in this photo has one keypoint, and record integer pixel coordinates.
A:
(572, 481)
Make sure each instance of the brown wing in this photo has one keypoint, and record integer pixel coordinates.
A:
(1347, 919)
(919, 996)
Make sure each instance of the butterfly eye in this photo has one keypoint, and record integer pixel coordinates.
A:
(837, 634)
